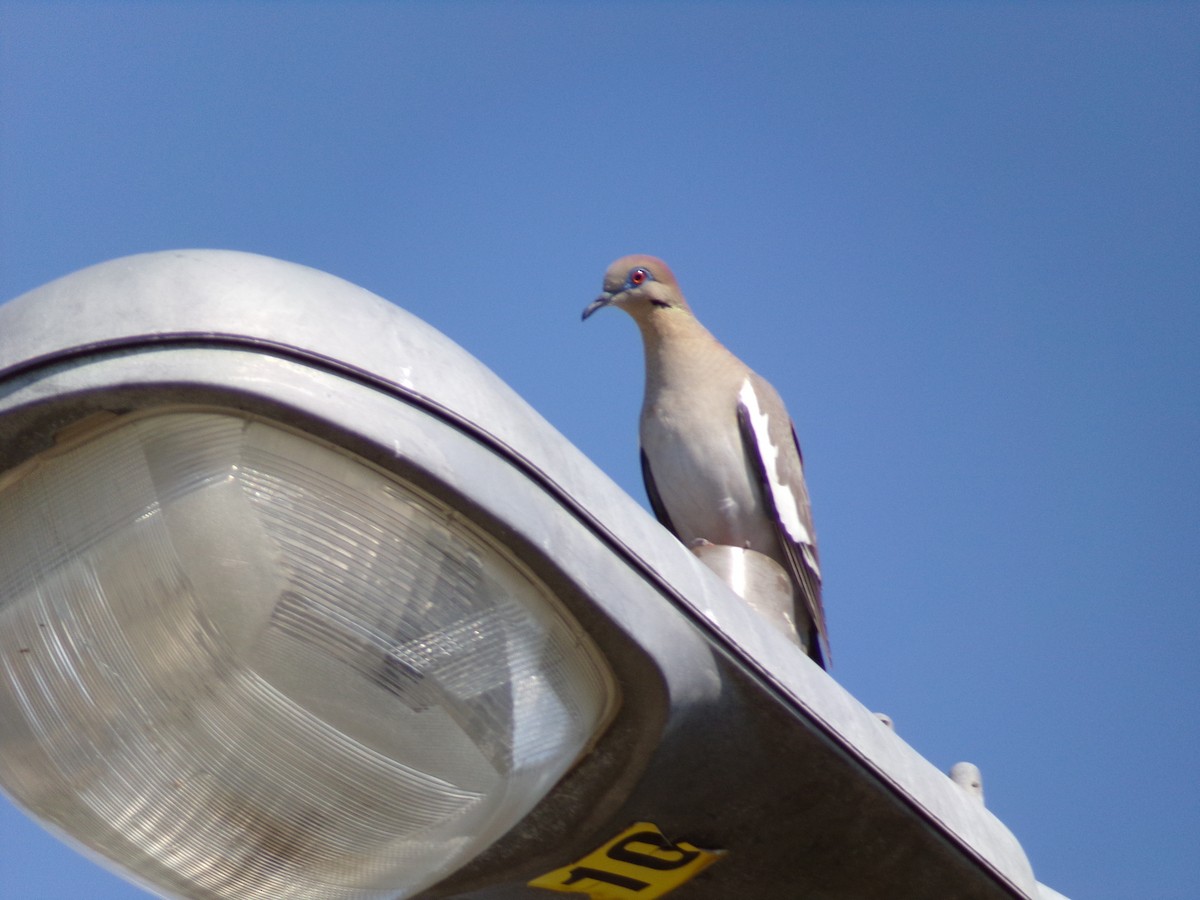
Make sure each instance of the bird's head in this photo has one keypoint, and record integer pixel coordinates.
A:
(640, 285)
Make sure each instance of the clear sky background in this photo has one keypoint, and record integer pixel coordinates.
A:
(962, 240)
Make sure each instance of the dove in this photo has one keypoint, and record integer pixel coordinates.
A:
(720, 458)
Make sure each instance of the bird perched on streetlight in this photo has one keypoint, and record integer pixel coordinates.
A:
(719, 453)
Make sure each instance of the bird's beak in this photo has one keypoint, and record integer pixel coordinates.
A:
(601, 301)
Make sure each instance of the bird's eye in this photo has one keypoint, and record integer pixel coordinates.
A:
(639, 276)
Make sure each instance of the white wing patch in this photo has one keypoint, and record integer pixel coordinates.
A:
(785, 500)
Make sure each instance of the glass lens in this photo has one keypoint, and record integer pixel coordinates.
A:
(241, 663)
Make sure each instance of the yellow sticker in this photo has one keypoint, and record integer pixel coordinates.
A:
(638, 863)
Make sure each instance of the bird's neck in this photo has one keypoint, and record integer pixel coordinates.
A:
(678, 348)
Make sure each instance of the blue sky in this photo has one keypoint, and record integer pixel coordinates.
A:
(962, 240)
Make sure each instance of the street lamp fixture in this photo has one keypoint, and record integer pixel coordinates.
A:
(298, 600)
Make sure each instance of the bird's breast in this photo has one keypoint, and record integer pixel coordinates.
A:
(702, 475)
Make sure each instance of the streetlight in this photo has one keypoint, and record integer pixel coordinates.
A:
(297, 600)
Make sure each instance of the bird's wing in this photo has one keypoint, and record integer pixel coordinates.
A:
(773, 451)
(656, 504)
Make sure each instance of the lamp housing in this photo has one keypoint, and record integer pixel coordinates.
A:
(299, 600)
